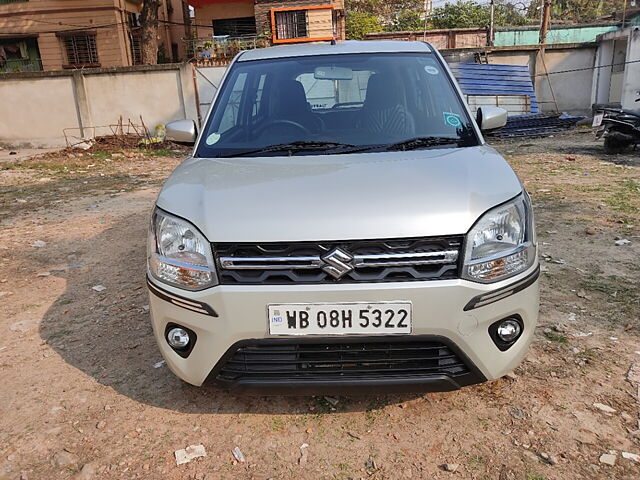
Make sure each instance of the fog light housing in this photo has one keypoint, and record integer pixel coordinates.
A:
(180, 339)
(506, 332)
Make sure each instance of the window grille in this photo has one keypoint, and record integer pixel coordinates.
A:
(81, 49)
(136, 48)
(291, 24)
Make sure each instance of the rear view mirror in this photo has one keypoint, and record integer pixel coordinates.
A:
(182, 131)
(333, 73)
(491, 118)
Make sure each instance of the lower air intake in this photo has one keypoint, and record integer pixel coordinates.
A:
(277, 360)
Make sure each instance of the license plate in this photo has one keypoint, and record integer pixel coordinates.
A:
(378, 318)
(597, 119)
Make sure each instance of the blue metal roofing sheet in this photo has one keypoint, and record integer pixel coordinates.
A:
(487, 79)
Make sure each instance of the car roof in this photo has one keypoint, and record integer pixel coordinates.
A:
(349, 46)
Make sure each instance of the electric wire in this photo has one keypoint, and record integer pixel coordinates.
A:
(5, 34)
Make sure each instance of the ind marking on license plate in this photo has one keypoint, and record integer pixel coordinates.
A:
(380, 318)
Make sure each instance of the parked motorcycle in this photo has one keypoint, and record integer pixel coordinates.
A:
(620, 127)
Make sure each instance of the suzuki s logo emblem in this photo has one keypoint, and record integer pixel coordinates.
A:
(338, 263)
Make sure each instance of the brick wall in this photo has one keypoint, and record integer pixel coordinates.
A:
(454, 38)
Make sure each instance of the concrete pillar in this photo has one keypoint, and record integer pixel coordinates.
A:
(82, 103)
(543, 83)
(602, 75)
(188, 88)
(630, 85)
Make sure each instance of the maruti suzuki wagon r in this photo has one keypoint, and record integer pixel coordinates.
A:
(342, 226)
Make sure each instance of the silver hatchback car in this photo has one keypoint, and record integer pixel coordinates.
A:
(342, 226)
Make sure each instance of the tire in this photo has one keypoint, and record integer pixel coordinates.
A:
(614, 144)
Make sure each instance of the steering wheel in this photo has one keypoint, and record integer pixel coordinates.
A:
(291, 123)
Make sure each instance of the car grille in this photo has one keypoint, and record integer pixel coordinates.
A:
(275, 360)
(433, 258)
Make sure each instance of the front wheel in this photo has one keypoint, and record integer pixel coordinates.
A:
(616, 142)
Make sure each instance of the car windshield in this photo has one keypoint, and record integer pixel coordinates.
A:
(335, 104)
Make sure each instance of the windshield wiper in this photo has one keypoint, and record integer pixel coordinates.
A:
(299, 146)
(425, 142)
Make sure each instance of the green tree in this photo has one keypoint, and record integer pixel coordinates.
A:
(408, 20)
(361, 23)
(577, 10)
(463, 14)
(467, 14)
(386, 10)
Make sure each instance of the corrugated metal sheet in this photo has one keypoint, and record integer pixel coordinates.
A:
(496, 80)
(510, 87)
(537, 125)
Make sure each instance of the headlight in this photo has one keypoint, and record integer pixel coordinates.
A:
(178, 254)
(502, 242)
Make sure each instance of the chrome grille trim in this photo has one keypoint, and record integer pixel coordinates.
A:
(269, 263)
(309, 262)
(405, 259)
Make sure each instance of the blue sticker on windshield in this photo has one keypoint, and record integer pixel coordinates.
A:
(452, 119)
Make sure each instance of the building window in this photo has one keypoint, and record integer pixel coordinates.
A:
(81, 50)
(136, 48)
(290, 24)
(313, 23)
(19, 55)
(235, 27)
(134, 20)
(135, 38)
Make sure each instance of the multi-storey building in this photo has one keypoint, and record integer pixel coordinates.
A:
(60, 34)
(279, 21)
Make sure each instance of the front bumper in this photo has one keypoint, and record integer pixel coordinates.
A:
(438, 314)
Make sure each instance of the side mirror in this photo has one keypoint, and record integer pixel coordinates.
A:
(491, 118)
(182, 131)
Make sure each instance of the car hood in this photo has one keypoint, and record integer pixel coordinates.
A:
(339, 197)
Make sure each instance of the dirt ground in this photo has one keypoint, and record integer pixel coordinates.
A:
(83, 395)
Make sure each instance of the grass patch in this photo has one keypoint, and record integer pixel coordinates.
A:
(61, 164)
(163, 152)
(534, 476)
(556, 337)
(277, 424)
(475, 461)
(618, 288)
(100, 155)
(625, 197)
(622, 292)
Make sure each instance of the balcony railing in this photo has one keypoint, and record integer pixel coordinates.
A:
(14, 66)
(220, 50)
